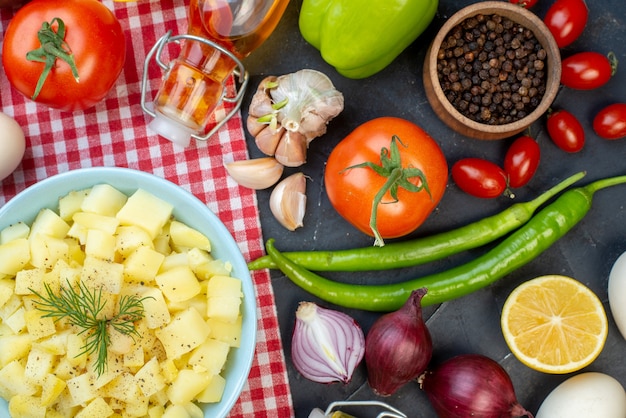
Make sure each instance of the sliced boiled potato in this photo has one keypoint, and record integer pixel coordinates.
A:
(183, 236)
(147, 211)
(15, 231)
(103, 199)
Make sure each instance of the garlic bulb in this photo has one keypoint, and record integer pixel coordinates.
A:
(258, 173)
(296, 108)
(326, 345)
(288, 201)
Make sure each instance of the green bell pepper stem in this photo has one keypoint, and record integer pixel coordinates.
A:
(518, 249)
(424, 249)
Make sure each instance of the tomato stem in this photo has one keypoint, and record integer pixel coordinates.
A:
(53, 46)
(394, 176)
(397, 176)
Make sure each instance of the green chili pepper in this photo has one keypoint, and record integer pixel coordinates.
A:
(518, 249)
(424, 249)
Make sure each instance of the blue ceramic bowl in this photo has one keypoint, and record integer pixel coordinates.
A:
(188, 209)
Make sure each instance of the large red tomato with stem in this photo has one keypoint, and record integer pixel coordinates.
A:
(84, 32)
(386, 177)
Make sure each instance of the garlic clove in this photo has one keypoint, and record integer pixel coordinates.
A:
(291, 150)
(254, 126)
(257, 173)
(313, 126)
(267, 139)
(288, 201)
(261, 103)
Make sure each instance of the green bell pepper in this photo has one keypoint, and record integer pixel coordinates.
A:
(361, 37)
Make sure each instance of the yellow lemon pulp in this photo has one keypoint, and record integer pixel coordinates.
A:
(554, 324)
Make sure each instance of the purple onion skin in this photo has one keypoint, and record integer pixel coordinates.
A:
(398, 347)
(471, 385)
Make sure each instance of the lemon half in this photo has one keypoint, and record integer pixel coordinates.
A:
(554, 324)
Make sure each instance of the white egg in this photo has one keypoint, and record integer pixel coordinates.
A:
(617, 293)
(585, 395)
(12, 145)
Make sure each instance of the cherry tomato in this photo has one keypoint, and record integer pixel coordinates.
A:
(566, 131)
(610, 122)
(524, 3)
(352, 191)
(566, 20)
(587, 70)
(521, 161)
(479, 178)
(93, 35)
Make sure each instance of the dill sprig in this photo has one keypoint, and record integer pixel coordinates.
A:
(82, 307)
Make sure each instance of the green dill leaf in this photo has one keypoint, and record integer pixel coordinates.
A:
(83, 308)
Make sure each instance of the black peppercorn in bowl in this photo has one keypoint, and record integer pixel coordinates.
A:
(492, 70)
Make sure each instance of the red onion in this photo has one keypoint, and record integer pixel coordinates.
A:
(398, 347)
(471, 385)
(327, 345)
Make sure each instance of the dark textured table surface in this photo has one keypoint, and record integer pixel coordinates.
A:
(470, 324)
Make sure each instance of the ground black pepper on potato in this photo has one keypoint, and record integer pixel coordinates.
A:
(492, 70)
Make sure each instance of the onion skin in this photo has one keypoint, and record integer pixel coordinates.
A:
(398, 347)
(471, 385)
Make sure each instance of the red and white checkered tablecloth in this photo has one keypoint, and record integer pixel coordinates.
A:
(114, 133)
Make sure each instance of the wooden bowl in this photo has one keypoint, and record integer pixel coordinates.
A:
(449, 114)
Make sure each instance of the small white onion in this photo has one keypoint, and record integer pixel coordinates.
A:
(617, 293)
(327, 345)
(288, 201)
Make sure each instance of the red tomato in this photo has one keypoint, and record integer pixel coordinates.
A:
(352, 191)
(524, 3)
(95, 38)
(479, 178)
(566, 131)
(586, 70)
(521, 161)
(610, 122)
(566, 20)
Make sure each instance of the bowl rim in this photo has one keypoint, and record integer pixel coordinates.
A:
(523, 17)
(194, 210)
